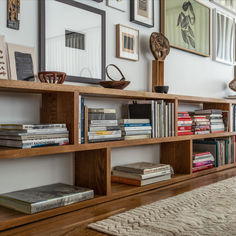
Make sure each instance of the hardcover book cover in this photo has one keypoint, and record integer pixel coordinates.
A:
(46, 197)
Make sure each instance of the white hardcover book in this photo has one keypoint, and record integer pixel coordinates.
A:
(136, 128)
(166, 120)
(172, 119)
(104, 136)
(162, 121)
(153, 119)
(169, 120)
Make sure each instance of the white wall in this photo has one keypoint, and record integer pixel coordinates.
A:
(185, 73)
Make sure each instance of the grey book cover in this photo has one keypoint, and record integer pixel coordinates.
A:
(46, 197)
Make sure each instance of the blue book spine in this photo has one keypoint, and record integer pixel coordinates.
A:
(82, 120)
(136, 125)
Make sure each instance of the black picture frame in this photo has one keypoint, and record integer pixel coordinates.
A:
(42, 39)
(132, 14)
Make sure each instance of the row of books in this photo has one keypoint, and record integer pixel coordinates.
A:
(222, 149)
(33, 135)
(141, 173)
(202, 122)
(202, 161)
(159, 112)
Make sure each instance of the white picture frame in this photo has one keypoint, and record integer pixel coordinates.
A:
(223, 37)
(120, 5)
(127, 43)
(22, 62)
(229, 5)
(3, 59)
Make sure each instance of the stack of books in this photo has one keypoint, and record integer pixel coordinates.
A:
(201, 124)
(159, 112)
(184, 123)
(103, 125)
(135, 128)
(46, 197)
(202, 161)
(215, 117)
(141, 173)
(33, 135)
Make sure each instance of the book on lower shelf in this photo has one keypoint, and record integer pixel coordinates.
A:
(46, 197)
(141, 173)
(33, 135)
(202, 161)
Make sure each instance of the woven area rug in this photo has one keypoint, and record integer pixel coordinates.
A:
(209, 210)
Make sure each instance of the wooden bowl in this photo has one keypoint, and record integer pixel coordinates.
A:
(52, 77)
(114, 84)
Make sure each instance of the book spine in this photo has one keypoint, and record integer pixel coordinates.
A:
(82, 120)
(173, 118)
(101, 116)
(180, 128)
(104, 132)
(104, 136)
(105, 122)
(135, 121)
(203, 163)
(79, 124)
(137, 125)
(59, 202)
(153, 119)
(196, 169)
(123, 180)
(162, 116)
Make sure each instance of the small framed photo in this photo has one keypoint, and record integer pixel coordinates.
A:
(22, 62)
(223, 35)
(3, 61)
(119, 5)
(127, 43)
(142, 12)
(13, 14)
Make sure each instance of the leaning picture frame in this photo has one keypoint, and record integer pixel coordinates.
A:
(186, 24)
(22, 62)
(223, 34)
(73, 42)
(142, 12)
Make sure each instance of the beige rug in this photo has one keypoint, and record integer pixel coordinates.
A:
(209, 210)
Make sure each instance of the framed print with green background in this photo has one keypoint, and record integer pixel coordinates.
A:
(186, 23)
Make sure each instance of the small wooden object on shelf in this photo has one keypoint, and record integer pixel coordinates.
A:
(52, 77)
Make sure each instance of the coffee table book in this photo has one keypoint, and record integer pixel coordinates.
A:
(46, 197)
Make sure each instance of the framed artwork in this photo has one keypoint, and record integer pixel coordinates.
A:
(127, 43)
(187, 25)
(223, 34)
(120, 5)
(3, 61)
(73, 42)
(98, 0)
(142, 12)
(229, 5)
(13, 14)
(22, 62)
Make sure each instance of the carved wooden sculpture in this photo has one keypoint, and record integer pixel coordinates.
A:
(232, 84)
(160, 48)
(52, 77)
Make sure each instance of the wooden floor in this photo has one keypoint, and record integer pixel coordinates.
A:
(75, 223)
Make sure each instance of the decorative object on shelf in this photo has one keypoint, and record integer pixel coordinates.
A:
(22, 62)
(226, 5)
(74, 41)
(13, 14)
(117, 4)
(232, 84)
(187, 25)
(113, 83)
(142, 12)
(127, 43)
(3, 61)
(223, 34)
(52, 77)
(160, 48)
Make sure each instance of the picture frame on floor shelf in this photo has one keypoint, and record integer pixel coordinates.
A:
(120, 5)
(3, 60)
(226, 5)
(142, 12)
(186, 24)
(22, 62)
(74, 42)
(223, 35)
(127, 43)
(13, 14)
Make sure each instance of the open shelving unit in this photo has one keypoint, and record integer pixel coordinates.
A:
(93, 160)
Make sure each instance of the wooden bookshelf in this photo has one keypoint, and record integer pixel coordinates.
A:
(92, 160)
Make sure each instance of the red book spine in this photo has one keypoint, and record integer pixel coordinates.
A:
(185, 119)
(202, 154)
(202, 163)
(196, 169)
(185, 127)
(185, 133)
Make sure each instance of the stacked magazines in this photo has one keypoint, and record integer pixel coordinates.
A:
(33, 135)
(103, 125)
(141, 173)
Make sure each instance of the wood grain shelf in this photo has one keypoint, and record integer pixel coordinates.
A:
(93, 160)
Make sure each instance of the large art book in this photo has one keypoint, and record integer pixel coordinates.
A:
(46, 197)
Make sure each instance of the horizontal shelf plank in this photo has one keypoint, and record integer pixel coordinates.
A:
(9, 153)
